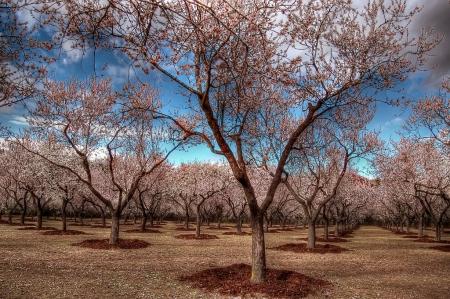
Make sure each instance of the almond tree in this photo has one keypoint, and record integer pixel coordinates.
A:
(196, 184)
(422, 169)
(115, 137)
(246, 66)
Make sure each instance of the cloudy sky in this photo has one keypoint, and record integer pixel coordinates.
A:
(388, 120)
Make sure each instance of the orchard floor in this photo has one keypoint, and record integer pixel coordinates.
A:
(379, 264)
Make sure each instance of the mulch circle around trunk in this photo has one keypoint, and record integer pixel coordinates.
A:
(272, 231)
(404, 233)
(63, 233)
(121, 244)
(302, 247)
(445, 248)
(237, 234)
(35, 228)
(100, 226)
(194, 237)
(330, 239)
(180, 228)
(234, 281)
(146, 231)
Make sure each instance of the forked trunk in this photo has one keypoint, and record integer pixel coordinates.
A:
(114, 237)
(311, 234)
(258, 250)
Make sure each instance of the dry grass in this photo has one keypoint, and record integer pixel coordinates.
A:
(379, 265)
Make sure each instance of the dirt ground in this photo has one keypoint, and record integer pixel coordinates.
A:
(379, 264)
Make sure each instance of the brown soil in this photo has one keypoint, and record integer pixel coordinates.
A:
(330, 239)
(63, 233)
(404, 233)
(237, 234)
(320, 248)
(146, 231)
(192, 236)
(272, 231)
(219, 228)
(285, 229)
(35, 228)
(234, 281)
(414, 236)
(445, 248)
(100, 226)
(78, 224)
(104, 244)
(4, 221)
(429, 240)
(181, 228)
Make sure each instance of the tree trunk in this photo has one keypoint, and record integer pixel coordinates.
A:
(420, 232)
(64, 216)
(151, 220)
(438, 232)
(311, 234)
(220, 222)
(199, 223)
(239, 225)
(114, 237)
(258, 250)
(39, 218)
(186, 220)
(326, 229)
(337, 232)
(103, 218)
(24, 213)
(10, 214)
(144, 223)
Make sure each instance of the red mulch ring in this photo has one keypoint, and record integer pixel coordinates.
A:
(35, 228)
(429, 240)
(63, 233)
(301, 247)
(182, 228)
(121, 244)
(445, 248)
(330, 239)
(219, 228)
(234, 281)
(4, 221)
(146, 231)
(194, 237)
(100, 226)
(237, 234)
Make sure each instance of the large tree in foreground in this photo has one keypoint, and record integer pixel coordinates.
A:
(248, 66)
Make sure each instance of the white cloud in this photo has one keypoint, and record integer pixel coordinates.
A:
(19, 120)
